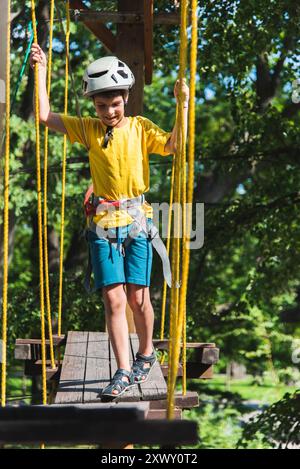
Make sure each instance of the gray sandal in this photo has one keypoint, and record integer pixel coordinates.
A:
(118, 384)
(140, 373)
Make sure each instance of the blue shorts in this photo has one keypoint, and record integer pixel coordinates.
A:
(111, 266)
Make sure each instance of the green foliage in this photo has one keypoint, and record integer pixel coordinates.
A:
(278, 426)
(227, 408)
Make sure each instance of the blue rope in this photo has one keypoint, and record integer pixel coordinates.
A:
(30, 29)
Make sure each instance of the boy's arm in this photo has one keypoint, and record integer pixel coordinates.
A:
(170, 146)
(50, 119)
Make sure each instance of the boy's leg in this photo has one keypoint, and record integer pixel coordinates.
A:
(115, 300)
(138, 297)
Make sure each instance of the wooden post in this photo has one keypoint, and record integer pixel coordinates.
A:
(130, 48)
(99, 30)
(148, 40)
(130, 321)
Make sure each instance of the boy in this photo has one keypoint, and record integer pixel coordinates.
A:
(118, 154)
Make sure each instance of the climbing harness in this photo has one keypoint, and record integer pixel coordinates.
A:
(94, 205)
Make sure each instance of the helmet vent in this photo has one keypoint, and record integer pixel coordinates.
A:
(121, 64)
(114, 78)
(123, 74)
(98, 74)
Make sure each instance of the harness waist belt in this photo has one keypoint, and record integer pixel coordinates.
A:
(122, 204)
(139, 224)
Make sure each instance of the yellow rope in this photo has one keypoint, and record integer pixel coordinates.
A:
(63, 173)
(39, 197)
(175, 260)
(176, 314)
(178, 317)
(47, 288)
(6, 214)
(183, 256)
(164, 296)
(191, 160)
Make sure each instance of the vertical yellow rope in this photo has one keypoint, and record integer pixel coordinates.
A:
(39, 197)
(183, 247)
(164, 296)
(191, 160)
(47, 288)
(6, 214)
(63, 173)
(176, 314)
(175, 264)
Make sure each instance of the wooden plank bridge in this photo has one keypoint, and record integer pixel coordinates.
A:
(88, 366)
(77, 413)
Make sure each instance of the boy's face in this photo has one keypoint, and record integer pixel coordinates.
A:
(110, 110)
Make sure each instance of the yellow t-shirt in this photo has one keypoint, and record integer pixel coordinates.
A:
(121, 170)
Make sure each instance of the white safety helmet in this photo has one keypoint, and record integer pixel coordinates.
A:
(105, 74)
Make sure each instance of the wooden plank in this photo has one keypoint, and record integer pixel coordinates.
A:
(162, 414)
(148, 40)
(187, 401)
(193, 371)
(71, 383)
(34, 368)
(23, 352)
(91, 429)
(199, 371)
(164, 344)
(155, 387)
(57, 340)
(107, 38)
(30, 349)
(88, 412)
(97, 366)
(143, 407)
(207, 355)
(123, 17)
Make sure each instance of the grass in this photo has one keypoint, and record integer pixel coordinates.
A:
(247, 388)
(18, 387)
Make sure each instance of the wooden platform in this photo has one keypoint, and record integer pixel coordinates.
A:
(108, 424)
(78, 415)
(200, 362)
(89, 365)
